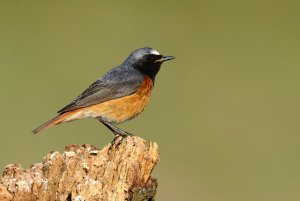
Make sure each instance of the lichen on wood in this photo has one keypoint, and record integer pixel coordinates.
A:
(119, 171)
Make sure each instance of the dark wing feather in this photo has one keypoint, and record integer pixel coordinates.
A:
(116, 83)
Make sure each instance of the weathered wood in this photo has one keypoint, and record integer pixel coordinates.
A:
(119, 171)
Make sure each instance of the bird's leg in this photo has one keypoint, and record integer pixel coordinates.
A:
(113, 128)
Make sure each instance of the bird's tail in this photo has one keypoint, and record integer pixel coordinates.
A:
(52, 122)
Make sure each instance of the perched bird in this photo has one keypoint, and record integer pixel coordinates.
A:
(120, 95)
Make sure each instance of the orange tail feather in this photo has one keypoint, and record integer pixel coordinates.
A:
(52, 122)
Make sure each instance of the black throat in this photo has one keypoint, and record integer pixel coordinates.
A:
(150, 70)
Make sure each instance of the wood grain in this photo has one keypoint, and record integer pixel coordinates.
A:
(119, 171)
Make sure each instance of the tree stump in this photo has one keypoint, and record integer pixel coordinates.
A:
(119, 171)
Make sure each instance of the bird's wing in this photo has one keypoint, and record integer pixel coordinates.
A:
(109, 87)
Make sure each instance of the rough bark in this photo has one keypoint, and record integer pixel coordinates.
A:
(119, 171)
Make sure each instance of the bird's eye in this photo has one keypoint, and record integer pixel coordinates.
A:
(149, 57)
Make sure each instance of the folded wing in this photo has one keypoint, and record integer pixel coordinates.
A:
(115, 84)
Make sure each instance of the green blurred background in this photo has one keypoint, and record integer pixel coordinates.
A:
(225, 113)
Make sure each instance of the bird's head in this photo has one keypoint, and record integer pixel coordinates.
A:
(147, 60)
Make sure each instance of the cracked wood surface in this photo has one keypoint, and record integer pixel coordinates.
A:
(119, 171)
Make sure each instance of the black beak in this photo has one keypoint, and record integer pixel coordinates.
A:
(165, 58)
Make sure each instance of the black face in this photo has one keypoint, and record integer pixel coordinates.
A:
(149, 64)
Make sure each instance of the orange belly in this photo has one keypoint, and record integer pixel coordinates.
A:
(117, 110)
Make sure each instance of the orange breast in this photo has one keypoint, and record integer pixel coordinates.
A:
(121, 109)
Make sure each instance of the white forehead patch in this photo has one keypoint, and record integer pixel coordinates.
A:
(154, 52)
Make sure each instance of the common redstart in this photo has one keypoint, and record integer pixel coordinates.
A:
(120, 95)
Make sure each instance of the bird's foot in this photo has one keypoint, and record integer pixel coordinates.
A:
(118, 140)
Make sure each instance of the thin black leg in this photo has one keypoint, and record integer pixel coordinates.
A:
(113, 128)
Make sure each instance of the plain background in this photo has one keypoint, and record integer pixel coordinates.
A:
(225, 113)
